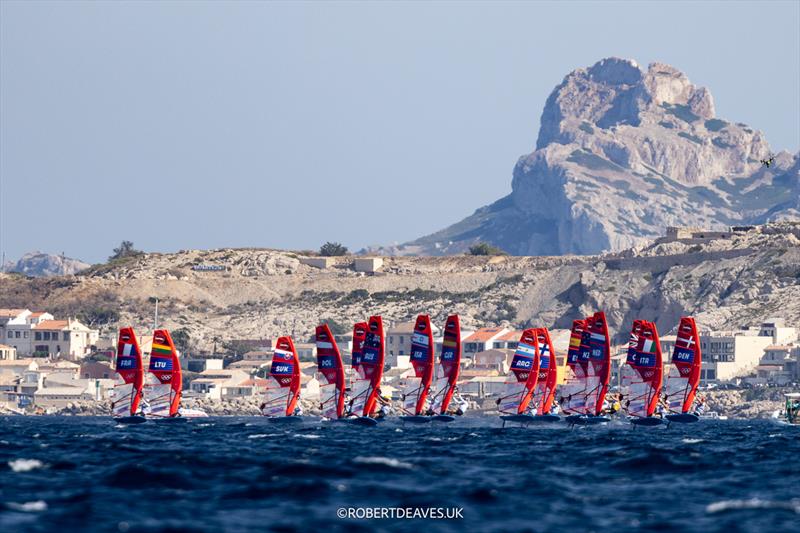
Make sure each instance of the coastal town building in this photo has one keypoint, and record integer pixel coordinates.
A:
(259, 356)
(18, 366)
(63, 338)
(16, 330)
(306, 351)
(251, 367)
(96, 370)
(480, 387)
(59, 397)
(481, 340)
(777, 329)
(345, 343)
(39, 334)
(13, 316)
(222, 384)
(7, 353)
(8, 391)
(726, 355)
(509, 340)
(398, 343)
(778, 365)
(498, 359)
(195, 363)
(694, 235)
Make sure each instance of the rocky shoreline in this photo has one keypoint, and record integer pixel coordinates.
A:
(733, 403)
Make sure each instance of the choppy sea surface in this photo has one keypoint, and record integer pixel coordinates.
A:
(245, 474)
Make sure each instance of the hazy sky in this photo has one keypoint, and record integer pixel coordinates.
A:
(204, 125)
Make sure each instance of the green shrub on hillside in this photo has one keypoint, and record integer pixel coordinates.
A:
(332, 249)
(484, 248)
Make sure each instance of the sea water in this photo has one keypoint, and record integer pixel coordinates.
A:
(245, 474)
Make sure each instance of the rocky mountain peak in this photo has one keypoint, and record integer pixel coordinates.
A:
(622, 153)
(38, 264)
(616, 91)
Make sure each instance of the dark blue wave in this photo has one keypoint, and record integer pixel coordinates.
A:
(243, 474)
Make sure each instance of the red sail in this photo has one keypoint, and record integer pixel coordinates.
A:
(599, 368)
(129, 368)
(372, 361)
(644, 378)
(329, 364)
(166, 367)
(573, 393)
(449, 365)
(687, 359)
(359, 336)
(521, 381)
(416, 392)
(283, 389)
(548, 372)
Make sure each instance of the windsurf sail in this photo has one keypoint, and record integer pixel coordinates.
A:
(545, 391)
(130, 375)
(449, 366)
(164, 380)
(521, 381)
(415, 394)
(370, 370)
(596, 350)
(642, 377)
(329, 365)
(283, 386)
(684, 374)
(359, 336)
(573, 392)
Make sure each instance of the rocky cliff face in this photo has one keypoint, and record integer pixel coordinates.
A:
(256, 294)
(622, 153)
(38, 264)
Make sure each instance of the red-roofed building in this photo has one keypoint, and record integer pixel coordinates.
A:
(482, 340)
(16, 326)
(13, 316)
(64, 338)
(508, 340)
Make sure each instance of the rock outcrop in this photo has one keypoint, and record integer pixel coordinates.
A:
(38, 264)
(621, 154)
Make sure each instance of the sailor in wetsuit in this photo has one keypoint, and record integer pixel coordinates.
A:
(700, 406)
(461, 406)
(663, 407)
(458, 404)
(144, 407)
(385, 405)
(612, 406)
(606, 409)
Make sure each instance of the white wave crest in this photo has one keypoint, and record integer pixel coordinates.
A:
(752, 503)
(303, 436)
(691, 441)
(28, 507)
(385, 461)
(25, 465)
